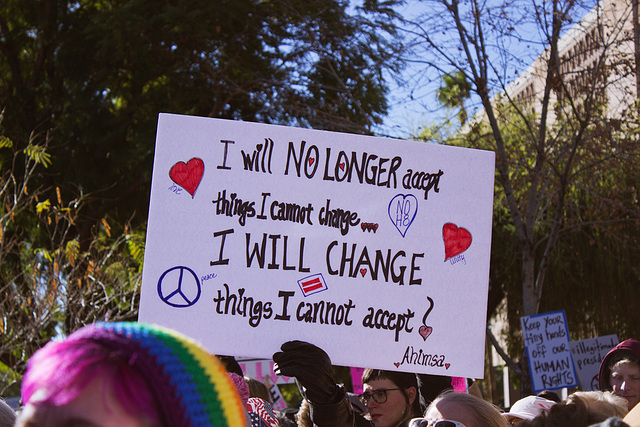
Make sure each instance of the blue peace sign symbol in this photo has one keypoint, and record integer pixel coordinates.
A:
(179, 287)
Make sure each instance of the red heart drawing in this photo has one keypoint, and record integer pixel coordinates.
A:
(397, 364)
(188, 175)
(311, 161)
(446, 365)
(425, 331)
(363, 271)
(341, 166)
(456, 240)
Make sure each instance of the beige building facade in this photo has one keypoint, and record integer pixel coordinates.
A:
(596, 58)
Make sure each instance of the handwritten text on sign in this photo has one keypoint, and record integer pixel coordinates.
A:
(587, 356)
(369, 248)
(546, 339)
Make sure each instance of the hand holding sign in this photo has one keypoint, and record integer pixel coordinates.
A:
(311, 366)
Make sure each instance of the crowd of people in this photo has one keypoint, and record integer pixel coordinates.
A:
(137, 375)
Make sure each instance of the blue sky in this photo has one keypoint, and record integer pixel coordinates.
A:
(416, 106)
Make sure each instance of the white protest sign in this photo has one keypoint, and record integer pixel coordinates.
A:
(376, 250)
(587, 355)
(546, 339)
(277, 400)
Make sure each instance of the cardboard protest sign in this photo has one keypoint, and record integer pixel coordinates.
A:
(546, 339)
(376, 250)
(587, 356)
(277, 399)
(459, 385)
(356, 379)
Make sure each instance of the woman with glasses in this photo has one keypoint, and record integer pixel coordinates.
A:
(460, 410)
(391, 397)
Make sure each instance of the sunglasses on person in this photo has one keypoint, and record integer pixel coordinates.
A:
(379, 396)
(423, 422)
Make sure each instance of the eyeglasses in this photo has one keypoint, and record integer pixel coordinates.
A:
(423, 422)
(378, 396)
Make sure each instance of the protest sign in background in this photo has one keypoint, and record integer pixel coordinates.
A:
(546, 339)
(261, 370)
(376, 250)
(587, 355)
(356, 380)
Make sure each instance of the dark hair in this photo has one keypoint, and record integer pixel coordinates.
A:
(622, 355)
(231, 364)
(403, 380)
(550, 395)
(431, 386)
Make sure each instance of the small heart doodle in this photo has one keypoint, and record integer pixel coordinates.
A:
(188, 175)
(369, 226)
(397, 364)
(402, 211)
(341, 166)
(456, 240)
(363, 271)
(446, 365)
(311, 160)
(425, 331)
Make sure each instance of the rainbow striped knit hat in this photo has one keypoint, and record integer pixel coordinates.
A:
(192, 387)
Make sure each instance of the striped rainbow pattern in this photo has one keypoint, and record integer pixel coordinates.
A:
(193, 387)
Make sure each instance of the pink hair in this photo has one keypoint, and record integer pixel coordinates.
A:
(60, 371)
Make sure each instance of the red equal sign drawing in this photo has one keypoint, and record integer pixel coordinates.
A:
(312, 284)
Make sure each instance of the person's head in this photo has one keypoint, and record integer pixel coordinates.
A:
(625, 381)
(602, 402)
(527, 408)
(390, 397)
(258, 389)
(620, 371)
(127, 375)
(574, 413)
(469, 410)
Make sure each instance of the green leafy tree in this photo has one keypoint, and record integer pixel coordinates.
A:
(82, 83)
(99, 72)
(454, 91)
(566, 169)
(49, 284)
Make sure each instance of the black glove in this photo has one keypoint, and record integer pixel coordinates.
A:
(311, 366)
